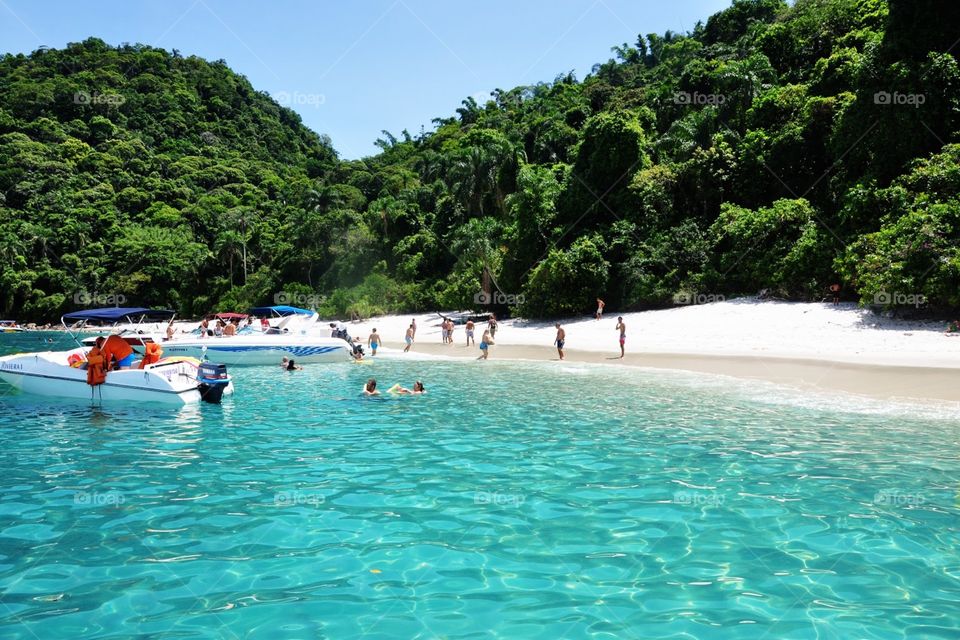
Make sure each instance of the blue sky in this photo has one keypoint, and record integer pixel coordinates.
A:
(353, 68)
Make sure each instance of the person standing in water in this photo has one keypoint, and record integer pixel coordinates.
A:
(469, 328)
(373, 342)
(370, 389)
(622, 328)
(600, 305)
(560, 339)
(408, 338)
(485, 343)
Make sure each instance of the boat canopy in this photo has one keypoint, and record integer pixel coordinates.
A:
(281, 310)
(116, 314)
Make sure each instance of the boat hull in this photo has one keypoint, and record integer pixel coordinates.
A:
(240, 351)
(42, 374)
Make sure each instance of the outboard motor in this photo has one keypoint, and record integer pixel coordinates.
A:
(213, 381)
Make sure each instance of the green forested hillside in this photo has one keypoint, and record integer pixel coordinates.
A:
(777, 146)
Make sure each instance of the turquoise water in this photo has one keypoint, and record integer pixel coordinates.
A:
(513, 501)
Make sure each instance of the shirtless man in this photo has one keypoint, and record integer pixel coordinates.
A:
(408, 338)
(600, 305)
(622, 328)
(450, 327)
(485, 343)
(560, 339)
(469, 328)
(373, 342)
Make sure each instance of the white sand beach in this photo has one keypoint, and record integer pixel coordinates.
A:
(817, 345)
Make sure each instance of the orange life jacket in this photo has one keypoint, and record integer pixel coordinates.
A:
(152, 354)
(96, 367)
(116, 349)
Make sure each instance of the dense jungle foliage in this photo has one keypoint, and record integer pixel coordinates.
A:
(778, 147)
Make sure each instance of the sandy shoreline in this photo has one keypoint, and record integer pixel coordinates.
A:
(885, 381)
(803, 345)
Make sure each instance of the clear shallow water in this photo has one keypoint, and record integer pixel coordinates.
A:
(514, 500)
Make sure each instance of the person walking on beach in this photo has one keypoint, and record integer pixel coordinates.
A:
(408, 338)
(622, 328)
(373, 342)
(560, 339)
(469, 328)
(600, 305)
(485, 343)
(450, 327)
(445, 330)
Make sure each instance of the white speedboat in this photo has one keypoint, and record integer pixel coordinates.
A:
(261, 349)
(147, 378)
(169, 381)
(10, 326)
(290, 337)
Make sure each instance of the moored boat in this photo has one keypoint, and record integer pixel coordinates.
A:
(288, 335)
(10, 326)
(49, 373)
(261, 349)
(111, 371)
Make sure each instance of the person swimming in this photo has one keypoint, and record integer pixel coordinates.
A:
(370, 388)
(418, 389)
(293, 366)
